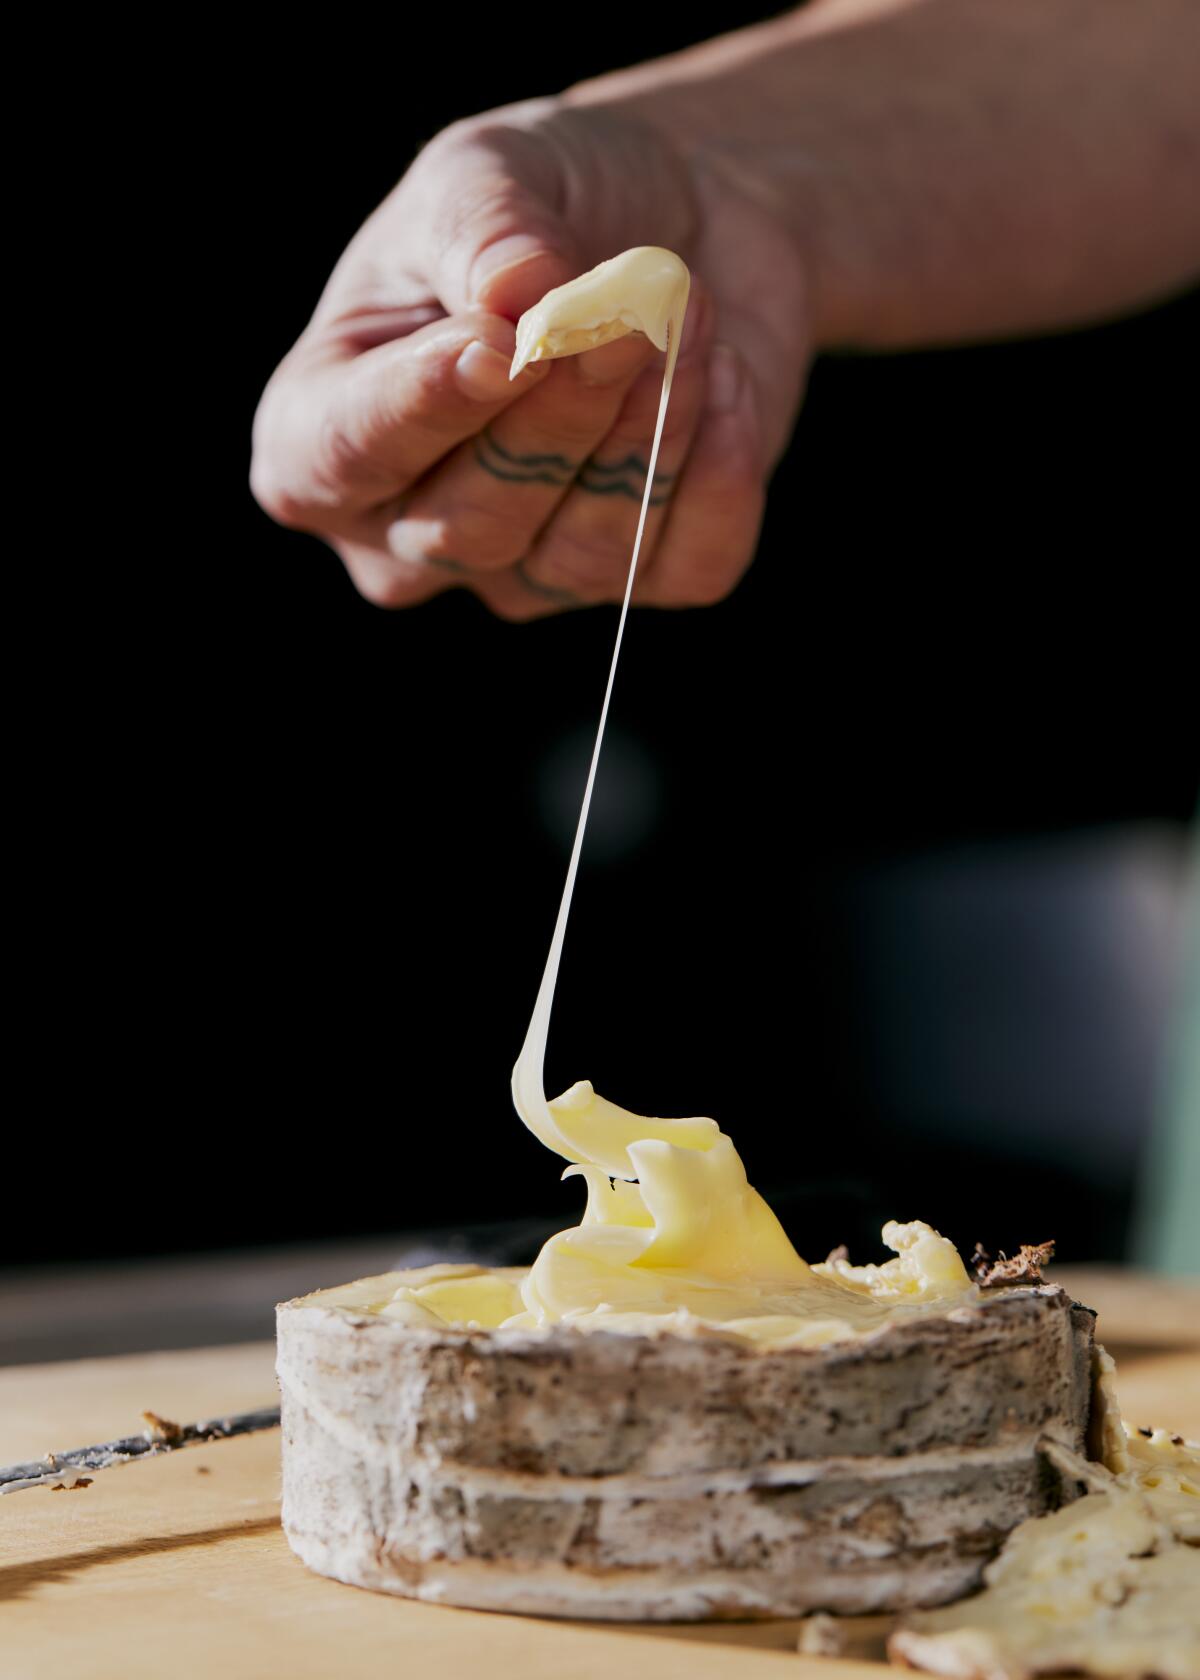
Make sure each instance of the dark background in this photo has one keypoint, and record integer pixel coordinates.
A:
(872, 837)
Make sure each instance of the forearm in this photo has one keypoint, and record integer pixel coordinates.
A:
(953, 169)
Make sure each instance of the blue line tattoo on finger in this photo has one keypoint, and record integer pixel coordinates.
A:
(555, 470)
(626, 477)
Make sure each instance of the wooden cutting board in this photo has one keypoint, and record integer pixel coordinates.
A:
(178, 1568)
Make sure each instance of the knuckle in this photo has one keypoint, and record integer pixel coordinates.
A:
(451, 139)
(349, 449)
(486, 538)
(715, 567)
(586, 564)
(379, 582)
(630, 436)
(301, 473)
(678, 427)
(338, 455)
(514, 612)
(274, 497)
(705, 588)
(464, 532)
(488, 198)
(742, 475)
(380, 591)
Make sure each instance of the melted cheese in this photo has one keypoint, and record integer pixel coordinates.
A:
(434, 1297)
(608, 1273)
(643, 290)
(673, 1236)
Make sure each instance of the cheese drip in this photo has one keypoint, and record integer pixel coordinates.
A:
(673, 1234)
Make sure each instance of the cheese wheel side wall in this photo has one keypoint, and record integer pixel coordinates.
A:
(635, 1477)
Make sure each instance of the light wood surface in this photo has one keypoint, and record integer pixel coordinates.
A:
(1136, 1309)
(177, 1566)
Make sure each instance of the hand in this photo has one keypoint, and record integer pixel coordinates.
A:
(391, 428)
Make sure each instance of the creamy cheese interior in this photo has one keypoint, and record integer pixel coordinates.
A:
(608, 1275)
(643, 290)
(673, 1231)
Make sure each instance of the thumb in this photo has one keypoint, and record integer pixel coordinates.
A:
(501, 245)
(510, 274)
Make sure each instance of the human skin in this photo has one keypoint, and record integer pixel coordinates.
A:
(877, 174)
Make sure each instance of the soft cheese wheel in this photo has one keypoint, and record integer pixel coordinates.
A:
(671, 1415)
(671, 1477)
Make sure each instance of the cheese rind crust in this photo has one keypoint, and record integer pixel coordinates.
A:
(674, 1478)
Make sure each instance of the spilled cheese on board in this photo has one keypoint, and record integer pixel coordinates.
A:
(1107, 1586)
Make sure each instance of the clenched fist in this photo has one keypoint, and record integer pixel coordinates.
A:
(391, 428)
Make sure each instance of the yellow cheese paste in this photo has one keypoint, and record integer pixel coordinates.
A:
(673, 1236)
(644, 290)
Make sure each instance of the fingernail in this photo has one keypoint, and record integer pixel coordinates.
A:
(724, 380)
(482, 372)
(507, 253)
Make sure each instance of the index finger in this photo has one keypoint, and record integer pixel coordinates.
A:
(335, 436)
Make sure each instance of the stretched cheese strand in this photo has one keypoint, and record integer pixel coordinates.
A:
(647, 289)
(672, 1231)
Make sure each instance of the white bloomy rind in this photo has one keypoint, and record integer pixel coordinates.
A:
(669, 1476)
